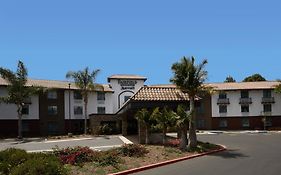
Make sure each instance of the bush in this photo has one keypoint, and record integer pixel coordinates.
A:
(39, 165)
(10, 158)
(19, 162)
(133, 150)
(75, 156)
(107, 158)
(106, 129)
(173, 143)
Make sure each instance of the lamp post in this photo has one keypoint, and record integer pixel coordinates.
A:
(69, 111)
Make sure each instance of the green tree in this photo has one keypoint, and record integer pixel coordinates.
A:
(143, 116)
(190, 79)
(18, 91)
(229, 79)
(254, 77)
(182, 120)
(165, 118)
(85, 81)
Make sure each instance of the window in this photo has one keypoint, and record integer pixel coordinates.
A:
(245, 122)
(267, 108)
(222, 109)
(222, 95)
(101, 96)
(126, 98)
(78, 110)
(25, 110)
(52, 95)
(223, 123)
(52, 110)
(77, 95)
(101, 110)
(245, 108)
(199, 106)
(244, 94)
(267, 93)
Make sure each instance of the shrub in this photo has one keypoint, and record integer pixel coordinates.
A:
(173, 143)
(133, 150)
(75, 156)
(107, 158)
(10, 158)
(39, 165)
(106, 129)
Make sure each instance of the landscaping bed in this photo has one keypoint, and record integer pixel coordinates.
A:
(84, 161)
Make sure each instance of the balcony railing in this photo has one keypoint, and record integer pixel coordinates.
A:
(268, 100)
(223, 101)
(245, 101)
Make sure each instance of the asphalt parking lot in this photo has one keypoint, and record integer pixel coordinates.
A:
(98, 143)
(247, 154)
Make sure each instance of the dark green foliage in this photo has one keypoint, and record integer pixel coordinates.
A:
(39, 165)
(107, 158)
(106, 130)
(254, 77)
(19, 162)
(133, 150)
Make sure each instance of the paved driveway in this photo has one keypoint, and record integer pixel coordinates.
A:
(247, 154)
(99, 143)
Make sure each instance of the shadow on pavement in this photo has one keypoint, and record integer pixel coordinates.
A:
(230, 154)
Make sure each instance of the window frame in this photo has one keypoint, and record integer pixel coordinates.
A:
(77, 95)
(245, 107)
(80, 109)
(222, 111)
(101, 96)
(266, 109)
(101, 107)
(52, 95)
(53, 107)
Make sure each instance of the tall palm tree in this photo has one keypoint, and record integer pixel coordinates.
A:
(165, 118)
(85, 81)
(190, 78)
(143, 116)
(18, 92)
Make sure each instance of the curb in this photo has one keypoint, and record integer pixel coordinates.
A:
(135, 170)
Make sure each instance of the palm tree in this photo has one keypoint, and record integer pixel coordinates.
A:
(165, 119)
(143, 116)
(18, 92)
(85, 81)
(182, 119)
(190, 78)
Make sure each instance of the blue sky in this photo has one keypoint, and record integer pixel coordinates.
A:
(238, 38)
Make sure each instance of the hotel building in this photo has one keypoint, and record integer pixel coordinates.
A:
(59, 110)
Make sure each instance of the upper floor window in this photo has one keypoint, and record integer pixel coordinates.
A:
(267, 108)
(222, 95)
(77, 95)
(25, 110)
(101, 110)
(245, 108)
(101, 96)
(267, 93)
(244, 94)
(222, 109)
(78, 110)
(52, 95)
(52, 110)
